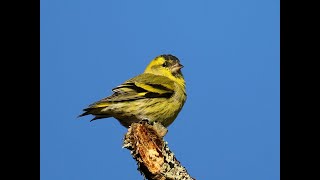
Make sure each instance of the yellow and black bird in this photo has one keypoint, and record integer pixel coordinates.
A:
(156, 95)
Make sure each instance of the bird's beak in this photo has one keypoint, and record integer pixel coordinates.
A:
(177, 67)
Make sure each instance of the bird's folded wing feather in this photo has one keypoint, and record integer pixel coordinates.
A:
(140, 87)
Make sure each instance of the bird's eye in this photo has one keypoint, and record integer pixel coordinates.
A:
(165, 64)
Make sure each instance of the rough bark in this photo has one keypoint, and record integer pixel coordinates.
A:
(154, 158)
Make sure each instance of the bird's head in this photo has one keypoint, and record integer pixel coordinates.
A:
(165, 65)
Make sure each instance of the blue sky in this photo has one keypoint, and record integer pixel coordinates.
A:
(229, 126)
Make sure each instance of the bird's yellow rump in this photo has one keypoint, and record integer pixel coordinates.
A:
(156, 95)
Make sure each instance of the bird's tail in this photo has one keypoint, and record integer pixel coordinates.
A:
(96, 111)
(87, 112)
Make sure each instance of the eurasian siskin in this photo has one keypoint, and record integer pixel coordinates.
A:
(156, 95)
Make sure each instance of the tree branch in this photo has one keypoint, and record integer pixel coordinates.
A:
(154, 158)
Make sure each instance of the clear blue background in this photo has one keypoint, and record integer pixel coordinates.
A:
(229, 126)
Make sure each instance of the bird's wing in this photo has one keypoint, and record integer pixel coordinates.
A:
(142, 86)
